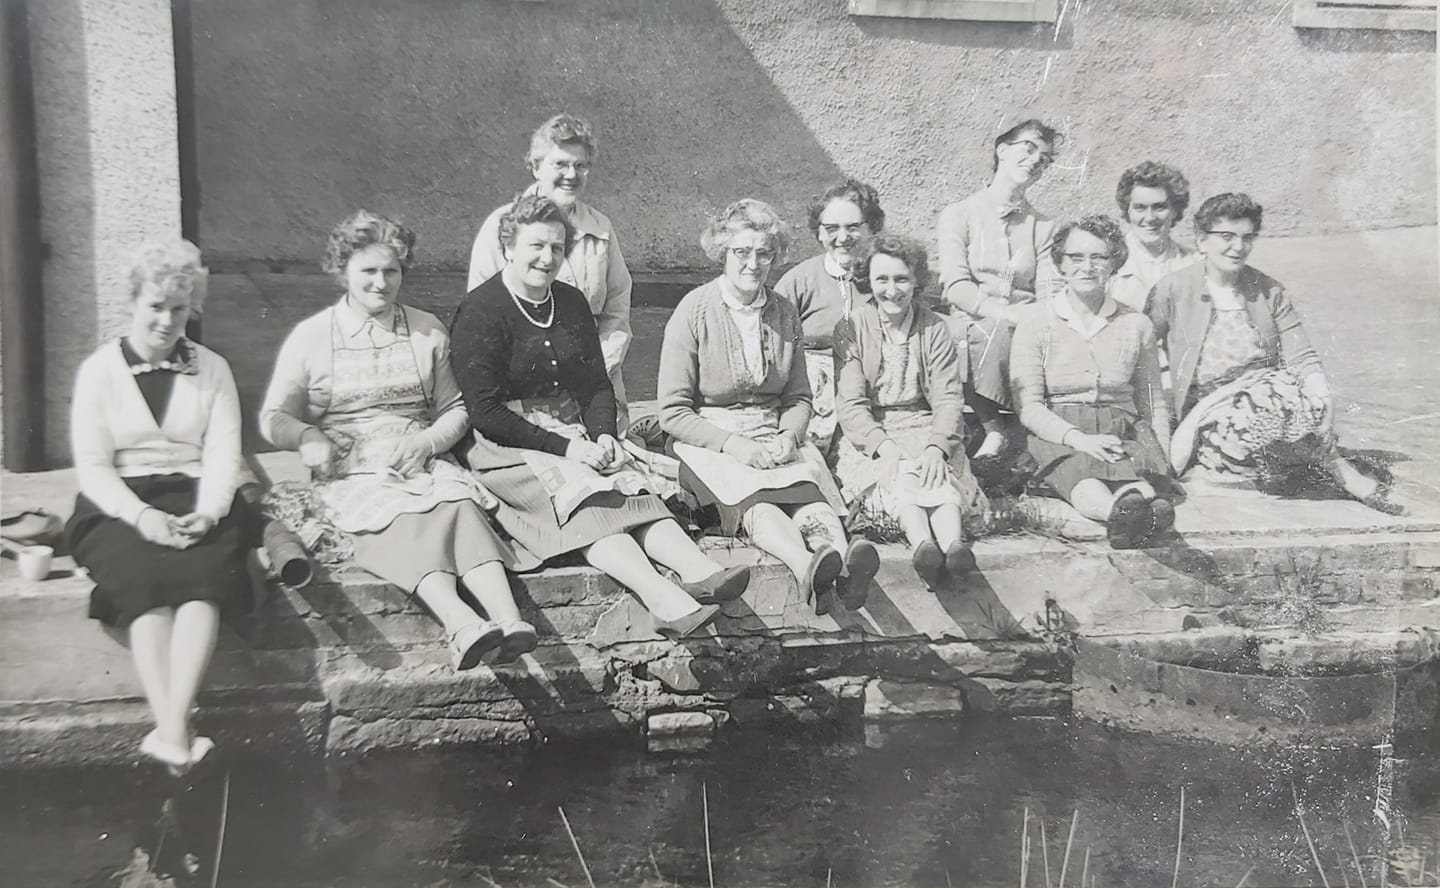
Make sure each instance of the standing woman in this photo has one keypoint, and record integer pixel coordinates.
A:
(734, 397)
(823, 289)
(364, 391)
(994, 258)
(901, 406)
(1087, 384)
(155, 431)
(531, 370)
(1152, 199)
(562, 152)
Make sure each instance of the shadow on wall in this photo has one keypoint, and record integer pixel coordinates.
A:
(691, 119)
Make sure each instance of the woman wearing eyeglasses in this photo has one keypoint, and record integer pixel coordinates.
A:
(1253, 399)
(994, 258)
(734, 397)
(1086, 377)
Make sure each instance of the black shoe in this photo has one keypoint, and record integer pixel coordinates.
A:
(1131, 521)
(929, 564)
(862, 562)
(683, 627)
(818, 583)
(959, 559)
(726, 584)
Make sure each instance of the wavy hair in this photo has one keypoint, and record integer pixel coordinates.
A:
(1152, 174)
(172, 267)
(364, 229)
(528, 209)
(906, 249)
(745, 213)
(562, 129)
(1044, 131)
(1230, 205)
(1104, 228)
(863, 196)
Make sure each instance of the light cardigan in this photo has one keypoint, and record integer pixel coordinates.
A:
(858, 346)
(974, 239)
(821, 298)
(702, 365)
(1132, 282)
(1113, 364)
(300, 386)
(113, 434)
(1180, 308)
(594, 266)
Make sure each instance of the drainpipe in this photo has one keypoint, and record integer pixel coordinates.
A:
(22, 301)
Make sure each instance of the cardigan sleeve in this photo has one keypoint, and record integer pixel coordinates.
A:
(1028, 352)
(593, 392)
(1150, 401)
(220, 450)
(451, 421)
(961, 288)
(1047, 276)
(678, 386)
(945, 394)
(486, 255)
(284, 414)
(853, 407)
(93, 444)
(1295, 348)
(613, 321)
(797, 404)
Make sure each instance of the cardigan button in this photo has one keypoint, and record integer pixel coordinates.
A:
(547, 343)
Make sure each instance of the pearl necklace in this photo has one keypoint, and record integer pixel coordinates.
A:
(520, 304)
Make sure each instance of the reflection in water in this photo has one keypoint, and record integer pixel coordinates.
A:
(929, 804)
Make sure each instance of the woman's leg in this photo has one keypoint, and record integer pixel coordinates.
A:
(620, 557)
(818, 524)
(438, 591)
(192, 642)
(774, 532)
(1352, 479)
(915, 524)
(665, 542)
(945, 520)
(490, 585)
(150, 635)
(1092, 498)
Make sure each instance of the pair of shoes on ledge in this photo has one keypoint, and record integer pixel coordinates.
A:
(473, 642)
(830, 578)
(935, 566)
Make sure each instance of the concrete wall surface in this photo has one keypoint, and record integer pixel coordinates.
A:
(310, 108)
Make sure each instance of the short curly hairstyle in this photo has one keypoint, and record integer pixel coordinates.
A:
(745, 213)
(364, 229)
(1152, 174)
(1044, 131)
(906, 249)
(1230, 205)
(861, 195)
(1103, 227)
(562, 129)
(529, 209)
(172, 267)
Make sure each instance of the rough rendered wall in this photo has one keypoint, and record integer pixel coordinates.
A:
(309, 108)
(104, 75)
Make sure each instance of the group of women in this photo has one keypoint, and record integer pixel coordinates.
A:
(451, 455)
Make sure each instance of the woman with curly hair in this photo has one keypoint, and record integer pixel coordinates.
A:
(1086, 378)
(155, 430)
(735, 398)
(900, 406)
(364, 391)
(994, 259)
(1152, 198)
(823, 288)
(1252, 396)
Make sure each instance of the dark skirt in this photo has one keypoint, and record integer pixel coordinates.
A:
(1062, 467)
(988, 351)
(452, 538)
(133, 575)
(528, 516)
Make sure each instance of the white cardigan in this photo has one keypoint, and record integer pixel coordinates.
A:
(113, 434)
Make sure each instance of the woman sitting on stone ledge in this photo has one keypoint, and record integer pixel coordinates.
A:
(532, 371)
(155, 428)
(1152, 199)
(900, 405)
(1253, 399)
(1086, 377)
(734, 397)
(364, 391)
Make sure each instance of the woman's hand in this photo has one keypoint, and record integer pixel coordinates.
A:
(316, 450)
(410, 456)
(783, 448)
(615, 455)
(1317, 387)
(191, 529)
(1107, 448)
(749, 453)
(156, 527)
(587, 453)
(932, 467)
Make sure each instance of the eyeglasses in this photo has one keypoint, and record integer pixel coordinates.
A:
(1032, 149)
(856, 228)
(1086, 258)
(743, 254)
(1228, 237)
(578, 167)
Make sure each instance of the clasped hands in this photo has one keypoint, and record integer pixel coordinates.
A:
(778, 451)
(604, 454)
(174, 531)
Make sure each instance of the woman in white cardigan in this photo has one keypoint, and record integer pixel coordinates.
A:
(155, 429)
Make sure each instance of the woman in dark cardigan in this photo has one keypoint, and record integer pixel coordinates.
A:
(527, 356)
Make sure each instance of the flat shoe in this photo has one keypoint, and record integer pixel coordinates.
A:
(1130, 521)
(959, 559)
(726, 584)
(1162, 515)
(470, 643)
(862, 562)
(519, 638)
(929, 564)
(819, 580)
(682, 627)
(1380, 501)
(199, 748)
(168, 754)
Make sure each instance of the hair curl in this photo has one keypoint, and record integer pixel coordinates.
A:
(863, 196)
(172, 267)
(1230, 205)
(1152, 174)
(745, 213)
(1104, 228)
(1039, 128)
(562, 129)
(529, 209)
(366, 229)
(906, 249)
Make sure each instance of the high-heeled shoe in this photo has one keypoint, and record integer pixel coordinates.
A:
(726, 584)
(683, 627)
(519, 637)
(819, 580)
(929, 564)
(470, 643)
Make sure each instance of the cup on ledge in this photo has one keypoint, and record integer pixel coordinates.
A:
(35, 561)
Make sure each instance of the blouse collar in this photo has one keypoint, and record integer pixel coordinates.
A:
(733, 302)
(181, 360)
(1065, 311)
(833, 269)
(352, 320)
